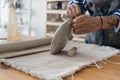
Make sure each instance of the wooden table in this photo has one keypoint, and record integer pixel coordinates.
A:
(109, 71)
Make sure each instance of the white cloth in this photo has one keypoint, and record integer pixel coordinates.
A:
(55, 67)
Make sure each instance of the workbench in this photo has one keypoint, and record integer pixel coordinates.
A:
(109, 71)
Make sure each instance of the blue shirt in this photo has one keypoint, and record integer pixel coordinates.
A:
(84, 8)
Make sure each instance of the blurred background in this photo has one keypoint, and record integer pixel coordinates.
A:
(34, 17)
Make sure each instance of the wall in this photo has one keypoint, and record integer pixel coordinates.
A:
(38, 16)
(38, 25)
(3, 12)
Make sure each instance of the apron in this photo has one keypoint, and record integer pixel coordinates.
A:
(103, 37)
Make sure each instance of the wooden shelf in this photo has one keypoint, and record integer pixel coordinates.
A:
(49, 35)
(21, 11)
(56, 11)
(51, 26)
(54, 23)
(80, 36)
(79, 39)
(74, 39)
(56, 0)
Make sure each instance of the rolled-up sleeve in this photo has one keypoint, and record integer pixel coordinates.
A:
(117, 13)
(81, 3)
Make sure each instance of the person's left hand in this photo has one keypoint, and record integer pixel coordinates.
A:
(85, 24)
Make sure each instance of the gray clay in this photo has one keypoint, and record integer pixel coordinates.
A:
(72, 51)
(61, 37)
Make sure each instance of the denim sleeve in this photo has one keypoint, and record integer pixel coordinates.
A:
(81, 3)
(117, 13)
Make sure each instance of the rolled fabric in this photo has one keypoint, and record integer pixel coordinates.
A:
(22, 45)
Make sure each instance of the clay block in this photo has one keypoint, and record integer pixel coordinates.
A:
(61, 37)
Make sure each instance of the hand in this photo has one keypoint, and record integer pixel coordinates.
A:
(73, 11)
(85, 24)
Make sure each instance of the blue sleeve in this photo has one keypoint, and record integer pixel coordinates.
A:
(81, 3)
(117, 13)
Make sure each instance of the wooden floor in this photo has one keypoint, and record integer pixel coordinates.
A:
(109, 71)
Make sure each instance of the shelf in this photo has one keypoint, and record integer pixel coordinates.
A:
(54, 23)
(21, 11)
(49, 35)
(51, 26)
(74, 39)
(56, 0)
(3, 35)
(56, 11)
(79, 39)
(80, 36)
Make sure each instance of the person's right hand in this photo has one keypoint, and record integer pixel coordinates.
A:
(73, 11)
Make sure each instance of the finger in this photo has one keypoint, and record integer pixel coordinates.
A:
(76, 26)
(82, 30)
(78, 12)
(79, 31)
(67, 13)
(73, 10)
(79, 19)
(79, 25)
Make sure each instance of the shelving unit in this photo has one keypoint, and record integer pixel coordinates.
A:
(24, 17)
(23, 13)
(56, 0)
(54, 23)
(55, 11)
(51, 23)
